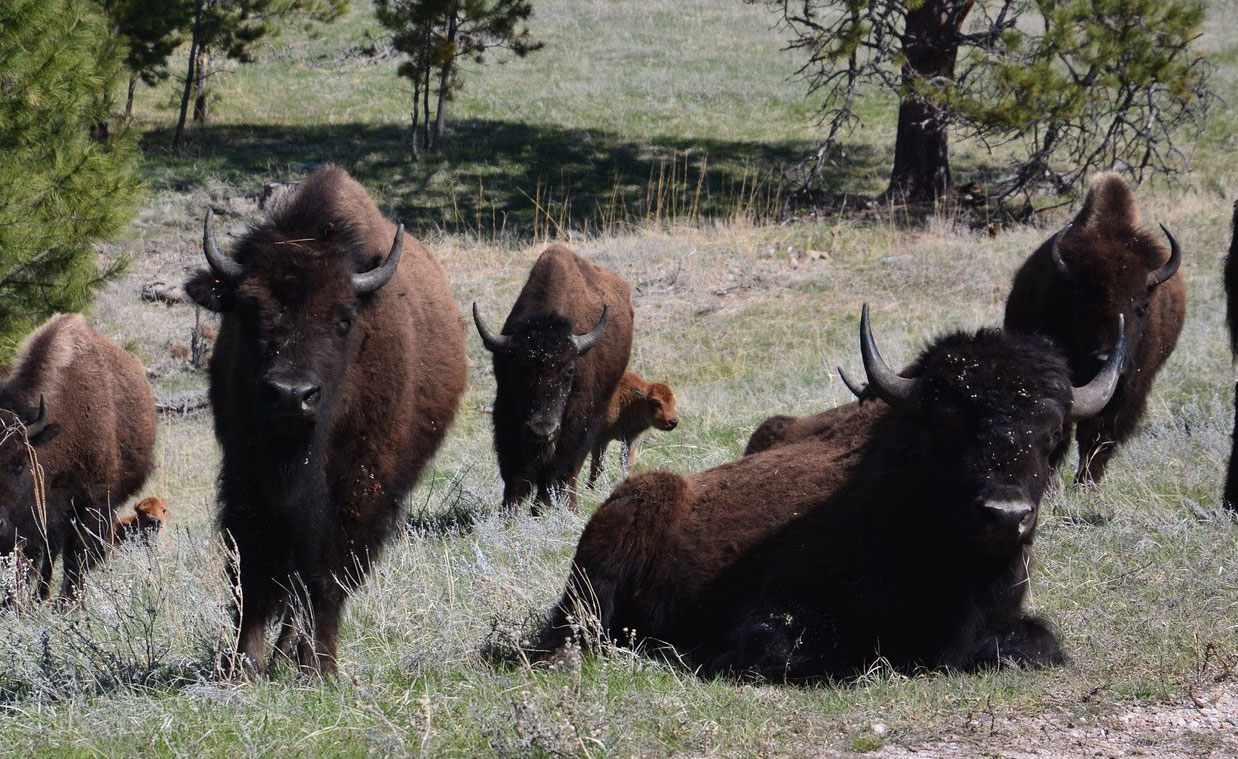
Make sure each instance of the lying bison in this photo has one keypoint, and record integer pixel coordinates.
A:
(557, 362)
(79, 408)
(636, 406)
(144, 525)
(907, 536)
(1075, 285)
(1231, 319)
(337, 370)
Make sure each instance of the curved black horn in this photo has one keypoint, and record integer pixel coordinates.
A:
(900, 392)
(39, 422)
(225, 268)
(368, 282)
(494, 343)
(857, 388)
(1092, 397)
(1171, 266)
(1059, 263)
(589, 339)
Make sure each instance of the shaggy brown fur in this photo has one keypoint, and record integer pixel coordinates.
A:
(145, 525)
(551, 402)
(1110, 255)
(95, 445)
(636, 406)
(903, 537)
(783, 429)
(1230, 498)
(310, 490)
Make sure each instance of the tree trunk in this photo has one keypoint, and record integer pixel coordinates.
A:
(179, 138)
(425, 109)
(200, 86)
(444, 86)
(921, 149)
(133, 86)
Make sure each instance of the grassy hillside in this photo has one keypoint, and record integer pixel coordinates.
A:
(1140, 575)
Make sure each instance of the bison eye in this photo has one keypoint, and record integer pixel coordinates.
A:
(343, 326)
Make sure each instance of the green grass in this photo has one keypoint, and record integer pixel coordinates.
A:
(1139, 575)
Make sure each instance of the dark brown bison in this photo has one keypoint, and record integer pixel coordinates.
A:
(79, 408)
(1230, 498)
(1075, 285)
(636, 406)
(907, 536)
(557, 363)
(337, 370)
(783, 429)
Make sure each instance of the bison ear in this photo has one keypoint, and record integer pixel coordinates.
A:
(210, 292)
(638, 394)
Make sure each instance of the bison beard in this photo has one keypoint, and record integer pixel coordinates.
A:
(336, 373)
(904, 535)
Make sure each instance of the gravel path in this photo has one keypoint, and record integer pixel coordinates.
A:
(1202, 725)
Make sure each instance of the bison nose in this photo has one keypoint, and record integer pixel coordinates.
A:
(294, 398)
(1007, 520)
(542, 432)
(672, 424)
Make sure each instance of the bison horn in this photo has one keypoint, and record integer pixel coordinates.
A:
(857, 388)
(589, 339)
(1055, 253)
(368, 282)
(900, 392)
(225, 268)
(1171, 266)
(1094, 396)
(494, 343)
(39, 422)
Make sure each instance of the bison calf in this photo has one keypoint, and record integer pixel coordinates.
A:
(557, 362)
(636, 406)
(145, 525)
(907, 536)
(1074, 287)
(77, 438)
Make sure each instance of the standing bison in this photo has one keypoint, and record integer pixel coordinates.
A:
(79, 408)
(557, 363)
(906, 536)
(337, 370)
(1230, 498)
(1075, 285)
(636, 406)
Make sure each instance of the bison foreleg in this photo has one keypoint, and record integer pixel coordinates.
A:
(1230, 499)
(1028, 643)
(595, 465)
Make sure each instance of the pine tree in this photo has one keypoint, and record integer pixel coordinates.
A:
(151, 31)
(1077, 85)
(61, 190)
(435, 34)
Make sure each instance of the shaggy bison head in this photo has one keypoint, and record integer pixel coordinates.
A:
(22, 433)
(661, 400)
(1111, 266)
(539, 358)
(989, 410)
(293, 304)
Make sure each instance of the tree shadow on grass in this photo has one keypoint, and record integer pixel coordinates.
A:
(505, 179)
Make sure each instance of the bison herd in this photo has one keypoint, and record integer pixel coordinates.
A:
(897, 526)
